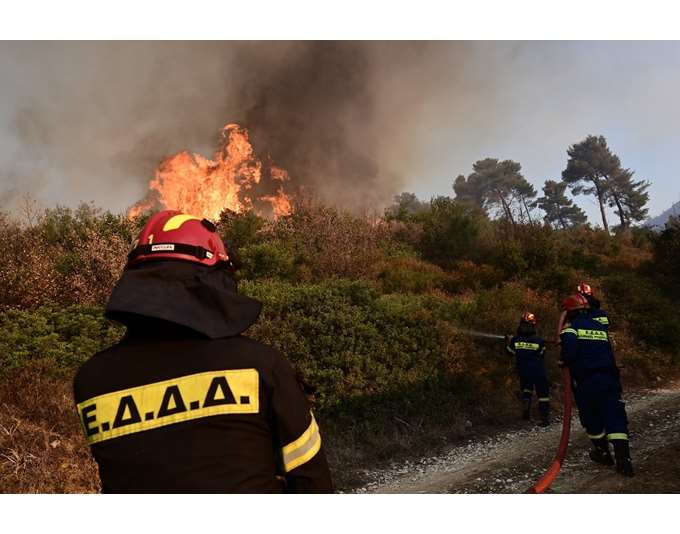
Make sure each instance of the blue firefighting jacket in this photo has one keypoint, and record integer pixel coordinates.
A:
(596, 312)
(586, 348)
(529, 352)
(601, 317)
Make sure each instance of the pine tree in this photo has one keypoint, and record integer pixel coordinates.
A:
(494, 184)
(559, 210)
(524, 192)
(629, 197)
(589, 170)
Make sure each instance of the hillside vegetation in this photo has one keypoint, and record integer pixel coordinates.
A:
(372, 311)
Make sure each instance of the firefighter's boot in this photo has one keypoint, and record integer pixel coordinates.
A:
(526, 409)
(544, 409)
(600, 454)
(624, 466)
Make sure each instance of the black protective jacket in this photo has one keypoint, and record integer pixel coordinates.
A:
(175, 409)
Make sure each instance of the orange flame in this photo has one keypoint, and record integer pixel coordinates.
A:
(194, 184)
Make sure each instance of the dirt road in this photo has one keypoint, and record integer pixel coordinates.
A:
(510, 462)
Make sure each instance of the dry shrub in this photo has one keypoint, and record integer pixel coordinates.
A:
(100, 261)
(410, 233)
(640, 365)
(467, 275)
(41, 265)
(42, 447)
(333, 243)
(27, 274)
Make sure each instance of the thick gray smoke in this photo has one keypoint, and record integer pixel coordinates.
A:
(311, 112)
(355, 122)
(90, 121)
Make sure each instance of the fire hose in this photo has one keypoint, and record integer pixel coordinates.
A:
(543, 483)
(551, 473)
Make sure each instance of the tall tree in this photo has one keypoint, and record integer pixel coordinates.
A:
(629, 197)
(493, 184)
(559, 210)
(589, 169)
(524, 192)
(470, 191)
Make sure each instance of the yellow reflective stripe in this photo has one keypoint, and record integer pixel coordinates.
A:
(302, 449)
(601, 320)
(543, 399)
(525, 345)
(528, 390)
(568, 331)
(617, 435)
(173, 223)
(597, 436)
(593, 335)
(233, 391)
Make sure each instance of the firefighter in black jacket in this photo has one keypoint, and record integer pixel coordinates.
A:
(529, 350)
(185, 403)
(587, 351)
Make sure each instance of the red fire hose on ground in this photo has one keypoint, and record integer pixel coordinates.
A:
(550, 475)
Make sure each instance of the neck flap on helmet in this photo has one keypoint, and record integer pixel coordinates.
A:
(200, 298)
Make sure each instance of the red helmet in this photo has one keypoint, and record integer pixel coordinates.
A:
(575, 302)
(584, 289)
(529, 318)
(178, 236)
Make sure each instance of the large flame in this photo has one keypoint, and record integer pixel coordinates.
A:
(232, 180)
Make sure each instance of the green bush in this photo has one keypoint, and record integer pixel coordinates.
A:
(240, 229)
(67, 227)
(266, 260)
(65, 337)
(352, 341)
(499, 309)
(667, 249)
(450, 232)
(651, 314)
(403, 274)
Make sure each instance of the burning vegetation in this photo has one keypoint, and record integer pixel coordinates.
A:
(235, 179)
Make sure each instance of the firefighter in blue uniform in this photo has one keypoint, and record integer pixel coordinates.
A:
(529, 350)
(596, 311)
(587, 351)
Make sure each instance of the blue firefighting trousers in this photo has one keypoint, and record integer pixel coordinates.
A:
(601, 410)
(534, 377)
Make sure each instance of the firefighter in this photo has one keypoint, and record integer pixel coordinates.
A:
(596, 311)
(587, 351)
(594, 306)
(529, 351)
(185, 402)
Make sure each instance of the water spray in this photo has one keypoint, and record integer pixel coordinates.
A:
(475, 333)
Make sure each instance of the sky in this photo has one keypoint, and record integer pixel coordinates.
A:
(553, 95)
(82, 121)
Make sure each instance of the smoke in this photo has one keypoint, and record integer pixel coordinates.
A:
(314, 113)
(91, 121)
(352, 122)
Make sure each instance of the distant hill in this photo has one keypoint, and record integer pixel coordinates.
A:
(660, 220)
